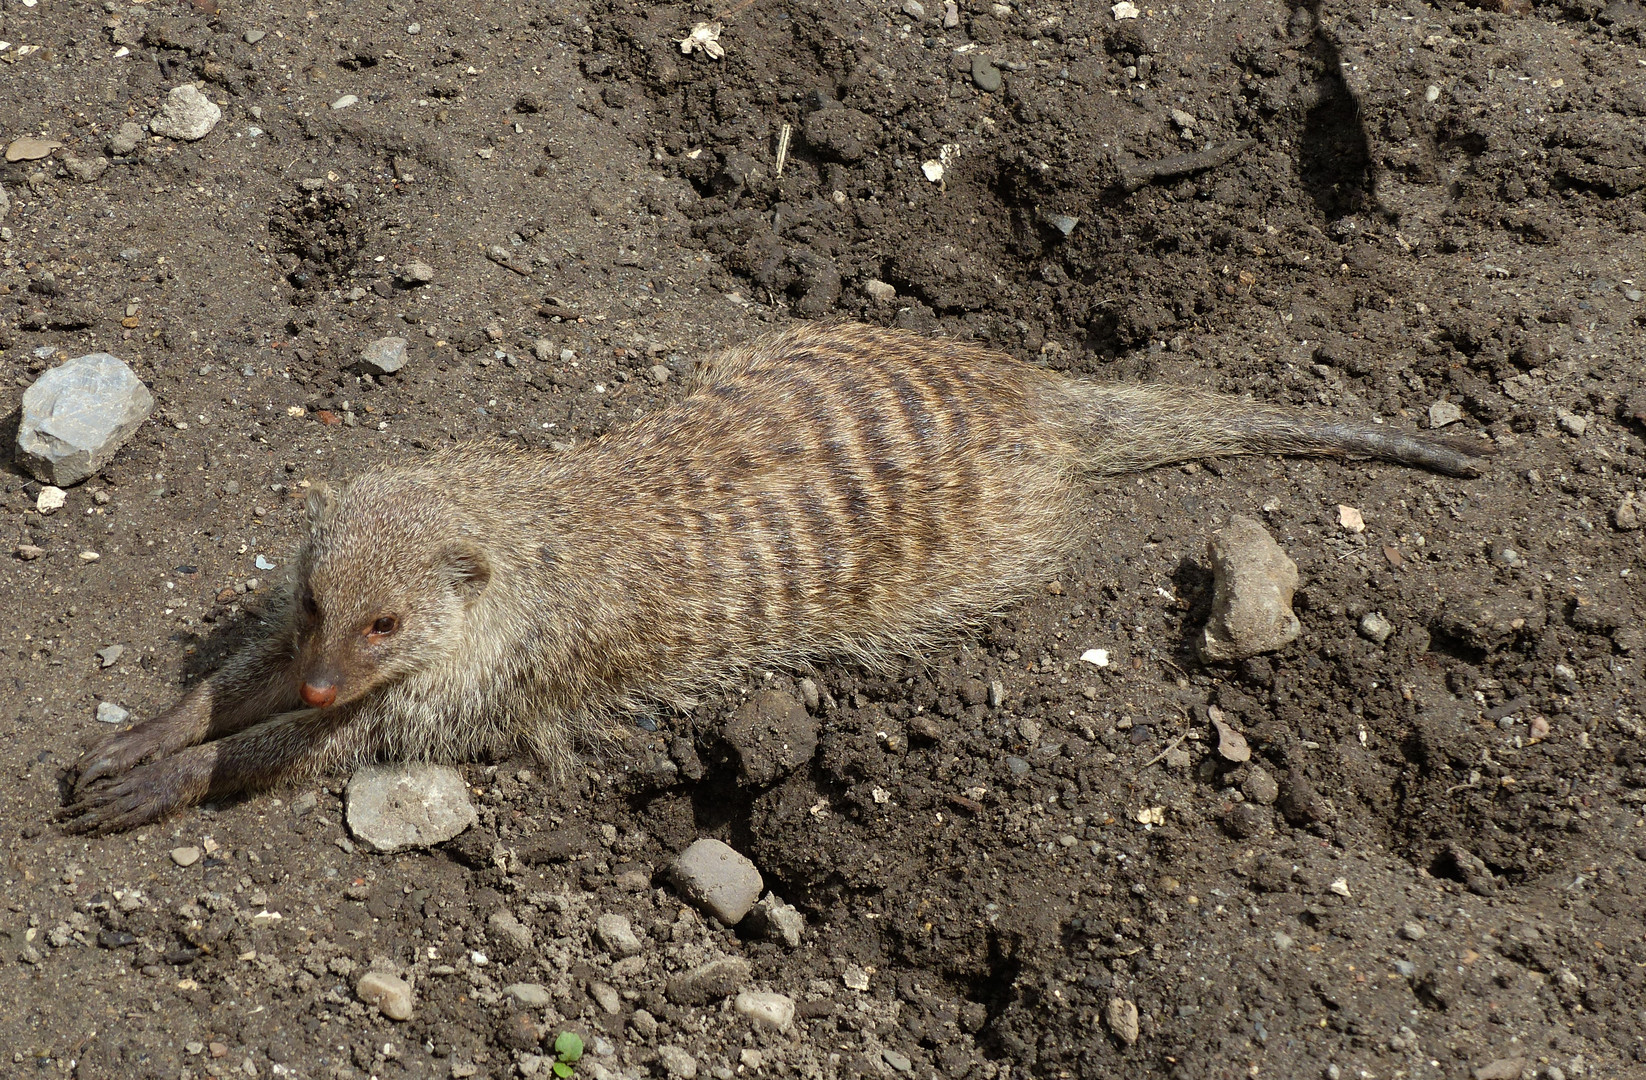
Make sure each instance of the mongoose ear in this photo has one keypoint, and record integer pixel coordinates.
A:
(322, 503)
(466, 567)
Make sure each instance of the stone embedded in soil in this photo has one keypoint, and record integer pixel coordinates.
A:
(879, 291)
(898, 1060)
(708, 982)
(717, 879)
(110, 713)
(676, 1062)
(531, 995)
(512, 937)
(1122, 1018)
(771, 734)
(774, 1010)
(1231, 744)
(1259, 786)
(77, 416)
(606, 996)
(403, 806)
(617, 935)
(416, 273)
(50, 500)
(985, 76)
(1442, 413)
(1374, 627)
(385, 356)
(85, 169)
(391, 994)
(110, 655)
(776, 921)
(1501, 1069)
(187, 115)
(1252, 593)
(1630, 511)
(185, 856)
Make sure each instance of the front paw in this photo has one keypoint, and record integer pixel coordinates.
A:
(145, 793)
(119, 753)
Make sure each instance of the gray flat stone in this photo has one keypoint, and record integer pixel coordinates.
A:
(77, 416)
(187, 115)
(617, 934)
(385, 356)
(403, 806)
(708, 982)
(717, 879)
(531, 995)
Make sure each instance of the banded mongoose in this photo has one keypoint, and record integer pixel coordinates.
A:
(840, 492)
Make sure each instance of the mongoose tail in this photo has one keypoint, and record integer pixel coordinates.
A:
(1134, 427)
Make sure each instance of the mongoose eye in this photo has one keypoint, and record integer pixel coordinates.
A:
(388, 624)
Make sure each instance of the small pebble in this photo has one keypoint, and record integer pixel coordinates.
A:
(384, 356)
(1340, 887)
(718, 879)
(1413, 931)
(28, 552)
(1350, 519)
(187, 115)
(390, 993)
(1374, 627)
(898, 1061)
(110, 713)
(185, 856)
(252, 37)
(89, 556)
(110, 655)
(1431, 93)
(985, 76)
(1122, 1018)
(914, 9)
(676, 1062)
(617, 935)
(531, 995)
(855, 978)
(1442, 413)
(1095, 657)
(50, 500)
(1571, 422)
(774, 1010)
(1538, 727)
(416, 272)
(345, 101)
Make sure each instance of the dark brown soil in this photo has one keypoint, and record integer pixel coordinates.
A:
(1432, 865)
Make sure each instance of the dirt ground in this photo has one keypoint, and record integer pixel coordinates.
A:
(1433, 864)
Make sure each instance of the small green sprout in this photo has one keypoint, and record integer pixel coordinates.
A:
(568, 1047)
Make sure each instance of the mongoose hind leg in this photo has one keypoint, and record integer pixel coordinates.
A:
(298, 743)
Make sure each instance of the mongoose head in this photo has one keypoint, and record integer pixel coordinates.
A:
(386, 580)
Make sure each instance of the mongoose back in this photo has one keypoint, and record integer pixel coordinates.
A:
(837, 492)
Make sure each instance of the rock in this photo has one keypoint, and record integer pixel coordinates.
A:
(385, 356)
(187, 115)
(1121, 1016)
(771, 734)
(252, 37)
(29, 148)
(1572, 423)
(1502, 1069)
(985, 76)
(513, 937)
(1231, 744)
(1259, 787)
(1184, 120)
(410, 805)
(110, 713)
(659, 374)
(416, 273)
(606, 996)
(1095, 657)
(1252, 601)
(1630, 510)
(776, 921)
(1300, 802)
(1442, 413)
(531, 995)
(50, 500)
(85, 170)
(717, 879)
(77, 416)
(879, 291)
(1245, 820)
(708, 982)
(391, 994)
(110, 655)
(914, 9)
(1374, 627)
(676, 1062)
(1350, 519)
(185, 856)
(5, 203)
(617, 935)
(1413, 931)
(951, 15)
(1063, 223)
(126, 138)
(345, 102)
(28, 552)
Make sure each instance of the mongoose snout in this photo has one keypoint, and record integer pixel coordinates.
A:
(816, 495)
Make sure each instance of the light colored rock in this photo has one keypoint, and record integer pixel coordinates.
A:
(110, 655)
(416, 272)
(676, 1062)
(50, 500)
(126, 138)
(617, 935)
(1629, 512)
(187, 115)
(606, 996)
(717, 879)
(5, 203)
(774, 1010)
(185, 856)
(85, 169)
(412, 805)
(777, 921)
(110, 713)
(1350, 519)
(345, 101)
(1374, 627)
(708, 982)
(385, 356)
(1253, 582)
(1572, 423)
(507, 930)
(875, 289)
(77, 416)
(391, 994)
(1121, 1016)
(1442, 413)
(531, 995)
